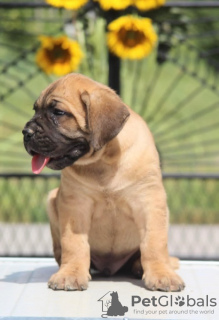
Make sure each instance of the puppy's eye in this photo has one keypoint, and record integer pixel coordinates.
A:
(58, 112)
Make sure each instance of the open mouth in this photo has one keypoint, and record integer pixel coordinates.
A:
(39, 161)
(57, 159)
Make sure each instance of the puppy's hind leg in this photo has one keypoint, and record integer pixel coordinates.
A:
(137, 269)
(54, 226)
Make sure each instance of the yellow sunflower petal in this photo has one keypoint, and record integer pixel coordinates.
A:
(145, 5)
(114, 4)
(67, 4)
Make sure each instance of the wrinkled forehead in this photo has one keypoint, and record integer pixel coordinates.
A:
(66, 88)
(57, 88)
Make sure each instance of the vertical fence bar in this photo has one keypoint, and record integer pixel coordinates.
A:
(114, 62)
(114, 72)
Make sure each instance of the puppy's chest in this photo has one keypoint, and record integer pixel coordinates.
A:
(109, 207)
(113, 230)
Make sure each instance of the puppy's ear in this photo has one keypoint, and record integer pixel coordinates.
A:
(106, 115)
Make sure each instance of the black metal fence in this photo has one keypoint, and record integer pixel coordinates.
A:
(193, 202)
(175, 90)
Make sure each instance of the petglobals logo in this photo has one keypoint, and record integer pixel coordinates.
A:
(173, 305)
(114, 304)
(111, 305)
(170, 301)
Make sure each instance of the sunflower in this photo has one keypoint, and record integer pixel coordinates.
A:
(148, 4)
(114, 4)
(67, 4)
(59, 55)
(130, 37)
(123, 4)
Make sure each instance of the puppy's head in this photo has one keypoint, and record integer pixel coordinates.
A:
(73, 116)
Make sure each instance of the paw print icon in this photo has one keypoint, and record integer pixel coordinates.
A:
(180, 301)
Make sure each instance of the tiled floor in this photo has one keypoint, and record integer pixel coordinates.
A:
(24, 294)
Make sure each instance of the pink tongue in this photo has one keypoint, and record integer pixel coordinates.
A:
(38, 163)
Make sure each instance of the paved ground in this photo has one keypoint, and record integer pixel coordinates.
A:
(24, 294)
(188, 241)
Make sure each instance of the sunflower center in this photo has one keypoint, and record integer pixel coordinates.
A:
(58, 54)
(131, 38)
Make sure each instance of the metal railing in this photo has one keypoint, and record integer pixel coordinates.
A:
(194, 220)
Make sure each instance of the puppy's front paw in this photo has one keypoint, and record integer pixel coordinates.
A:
(69, 281)
(159, 276)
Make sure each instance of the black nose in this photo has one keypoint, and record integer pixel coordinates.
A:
(28, 133)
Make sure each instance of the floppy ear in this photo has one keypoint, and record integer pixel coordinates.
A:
(106, 115)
